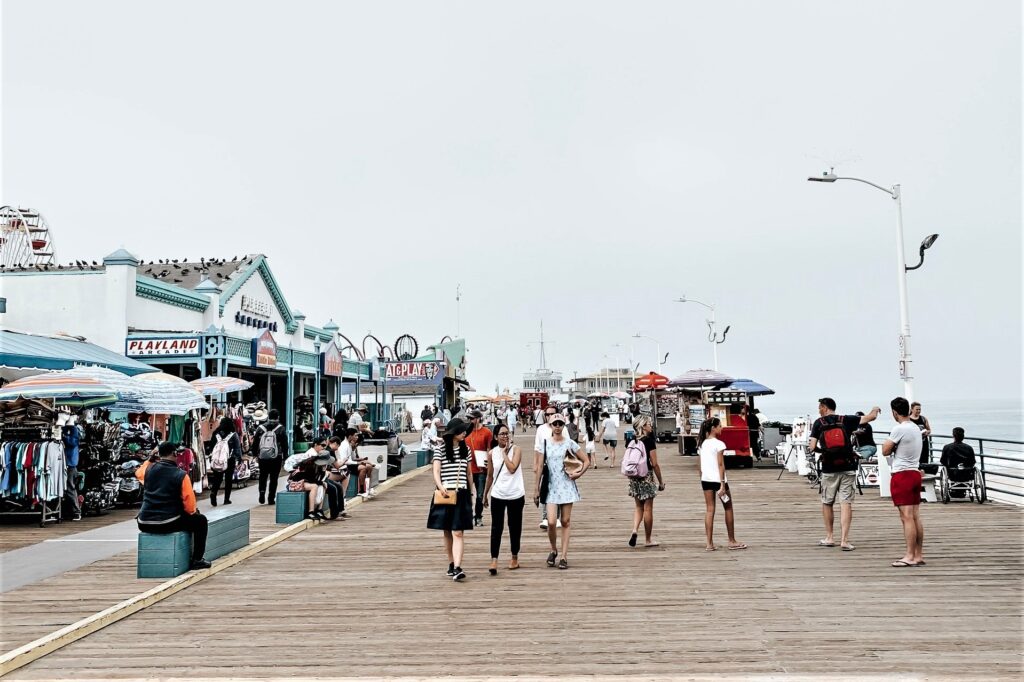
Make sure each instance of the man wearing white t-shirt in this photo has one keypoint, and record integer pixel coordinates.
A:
(904, 444)
(609, 436)
(355, 421)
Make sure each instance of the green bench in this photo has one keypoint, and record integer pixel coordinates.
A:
(290, 507)
(168, 556)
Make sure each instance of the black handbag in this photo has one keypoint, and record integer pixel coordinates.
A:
(544, 476)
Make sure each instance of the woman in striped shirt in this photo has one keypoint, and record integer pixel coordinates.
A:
(452, 476)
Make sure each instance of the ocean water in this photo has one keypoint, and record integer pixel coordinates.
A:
(980, 418)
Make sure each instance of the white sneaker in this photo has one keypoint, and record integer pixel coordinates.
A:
(558, 524)
(373, 492)
(543, 525)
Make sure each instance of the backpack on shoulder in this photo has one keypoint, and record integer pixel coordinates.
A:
(634, 462)
(268, 444)
(836, 450)
(220, 455)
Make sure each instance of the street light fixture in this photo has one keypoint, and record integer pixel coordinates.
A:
(926, 244)
(658, 359)
(901, 271)
(712, 328)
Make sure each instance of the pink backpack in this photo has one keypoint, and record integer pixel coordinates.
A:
(634, 462)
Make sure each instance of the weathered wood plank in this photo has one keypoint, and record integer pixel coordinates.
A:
(375, 584)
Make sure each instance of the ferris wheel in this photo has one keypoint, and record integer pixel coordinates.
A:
(25, 238)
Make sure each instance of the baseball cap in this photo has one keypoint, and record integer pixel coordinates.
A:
(557, 419)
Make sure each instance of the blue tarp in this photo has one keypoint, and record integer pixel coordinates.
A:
(30, 351)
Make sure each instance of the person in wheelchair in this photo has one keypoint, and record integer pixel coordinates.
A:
(959, 461)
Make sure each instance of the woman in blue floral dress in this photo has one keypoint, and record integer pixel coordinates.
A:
(560, 465)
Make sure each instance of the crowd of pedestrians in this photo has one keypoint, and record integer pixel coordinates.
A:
(485, 471)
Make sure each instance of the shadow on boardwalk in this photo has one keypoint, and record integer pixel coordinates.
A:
(368, 597)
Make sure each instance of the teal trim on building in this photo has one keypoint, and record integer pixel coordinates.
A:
(352, 369)
(155, 290)
(305, 360)
(313, 333)
(259, 265)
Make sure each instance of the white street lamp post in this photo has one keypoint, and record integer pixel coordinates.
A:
(712, 328)
(657, 344)
(901, 275)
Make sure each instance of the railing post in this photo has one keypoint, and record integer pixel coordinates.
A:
(981, 464)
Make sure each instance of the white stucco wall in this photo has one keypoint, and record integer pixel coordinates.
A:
(102, 305)
(257, 288)
(146, 314)
(90, 304)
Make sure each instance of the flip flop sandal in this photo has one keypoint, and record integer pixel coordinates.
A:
(900, 563)
(632, 540)
(849, 548)
(551, 559)
(652, 544)
(822, 543)
(710, 549)
(739, 546)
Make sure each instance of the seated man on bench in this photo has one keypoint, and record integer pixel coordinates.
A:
(169, 504)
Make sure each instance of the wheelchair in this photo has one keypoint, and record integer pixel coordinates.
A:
(961, 483)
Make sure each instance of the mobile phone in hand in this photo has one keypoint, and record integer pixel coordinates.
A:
(724, 497)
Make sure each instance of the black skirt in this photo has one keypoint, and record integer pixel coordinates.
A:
(458, 516)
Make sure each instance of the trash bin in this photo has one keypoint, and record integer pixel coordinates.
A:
(376, 450)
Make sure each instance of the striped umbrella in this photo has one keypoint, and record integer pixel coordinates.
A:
(131, 397)
(167, 394)
(216, 385)
(75, 391)
(701, 378)
(651, 380)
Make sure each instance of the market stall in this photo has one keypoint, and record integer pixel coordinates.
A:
(691, 386)
(34, 463)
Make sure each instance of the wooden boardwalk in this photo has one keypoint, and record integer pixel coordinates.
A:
(367, 597)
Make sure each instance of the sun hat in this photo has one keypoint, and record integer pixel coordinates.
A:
(260, 415)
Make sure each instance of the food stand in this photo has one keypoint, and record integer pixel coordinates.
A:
(659, 404)
(725, 405)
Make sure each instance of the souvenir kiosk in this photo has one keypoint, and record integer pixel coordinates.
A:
(726, 405)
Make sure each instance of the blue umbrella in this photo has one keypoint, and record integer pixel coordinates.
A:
(749, 387)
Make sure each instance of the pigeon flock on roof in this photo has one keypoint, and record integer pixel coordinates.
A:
(177, 271)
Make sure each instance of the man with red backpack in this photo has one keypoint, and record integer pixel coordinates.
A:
(830, 435)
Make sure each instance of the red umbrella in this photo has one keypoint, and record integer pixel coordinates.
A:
(649, 381)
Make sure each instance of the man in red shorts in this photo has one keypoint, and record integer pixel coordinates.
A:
(904, 444)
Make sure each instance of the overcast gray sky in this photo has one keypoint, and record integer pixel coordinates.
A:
(584, 163)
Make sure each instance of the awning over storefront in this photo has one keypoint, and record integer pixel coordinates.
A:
(24, 354)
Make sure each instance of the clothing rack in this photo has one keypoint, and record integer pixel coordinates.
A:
(48, 511)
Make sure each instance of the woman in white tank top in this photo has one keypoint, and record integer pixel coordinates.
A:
(505, 491)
